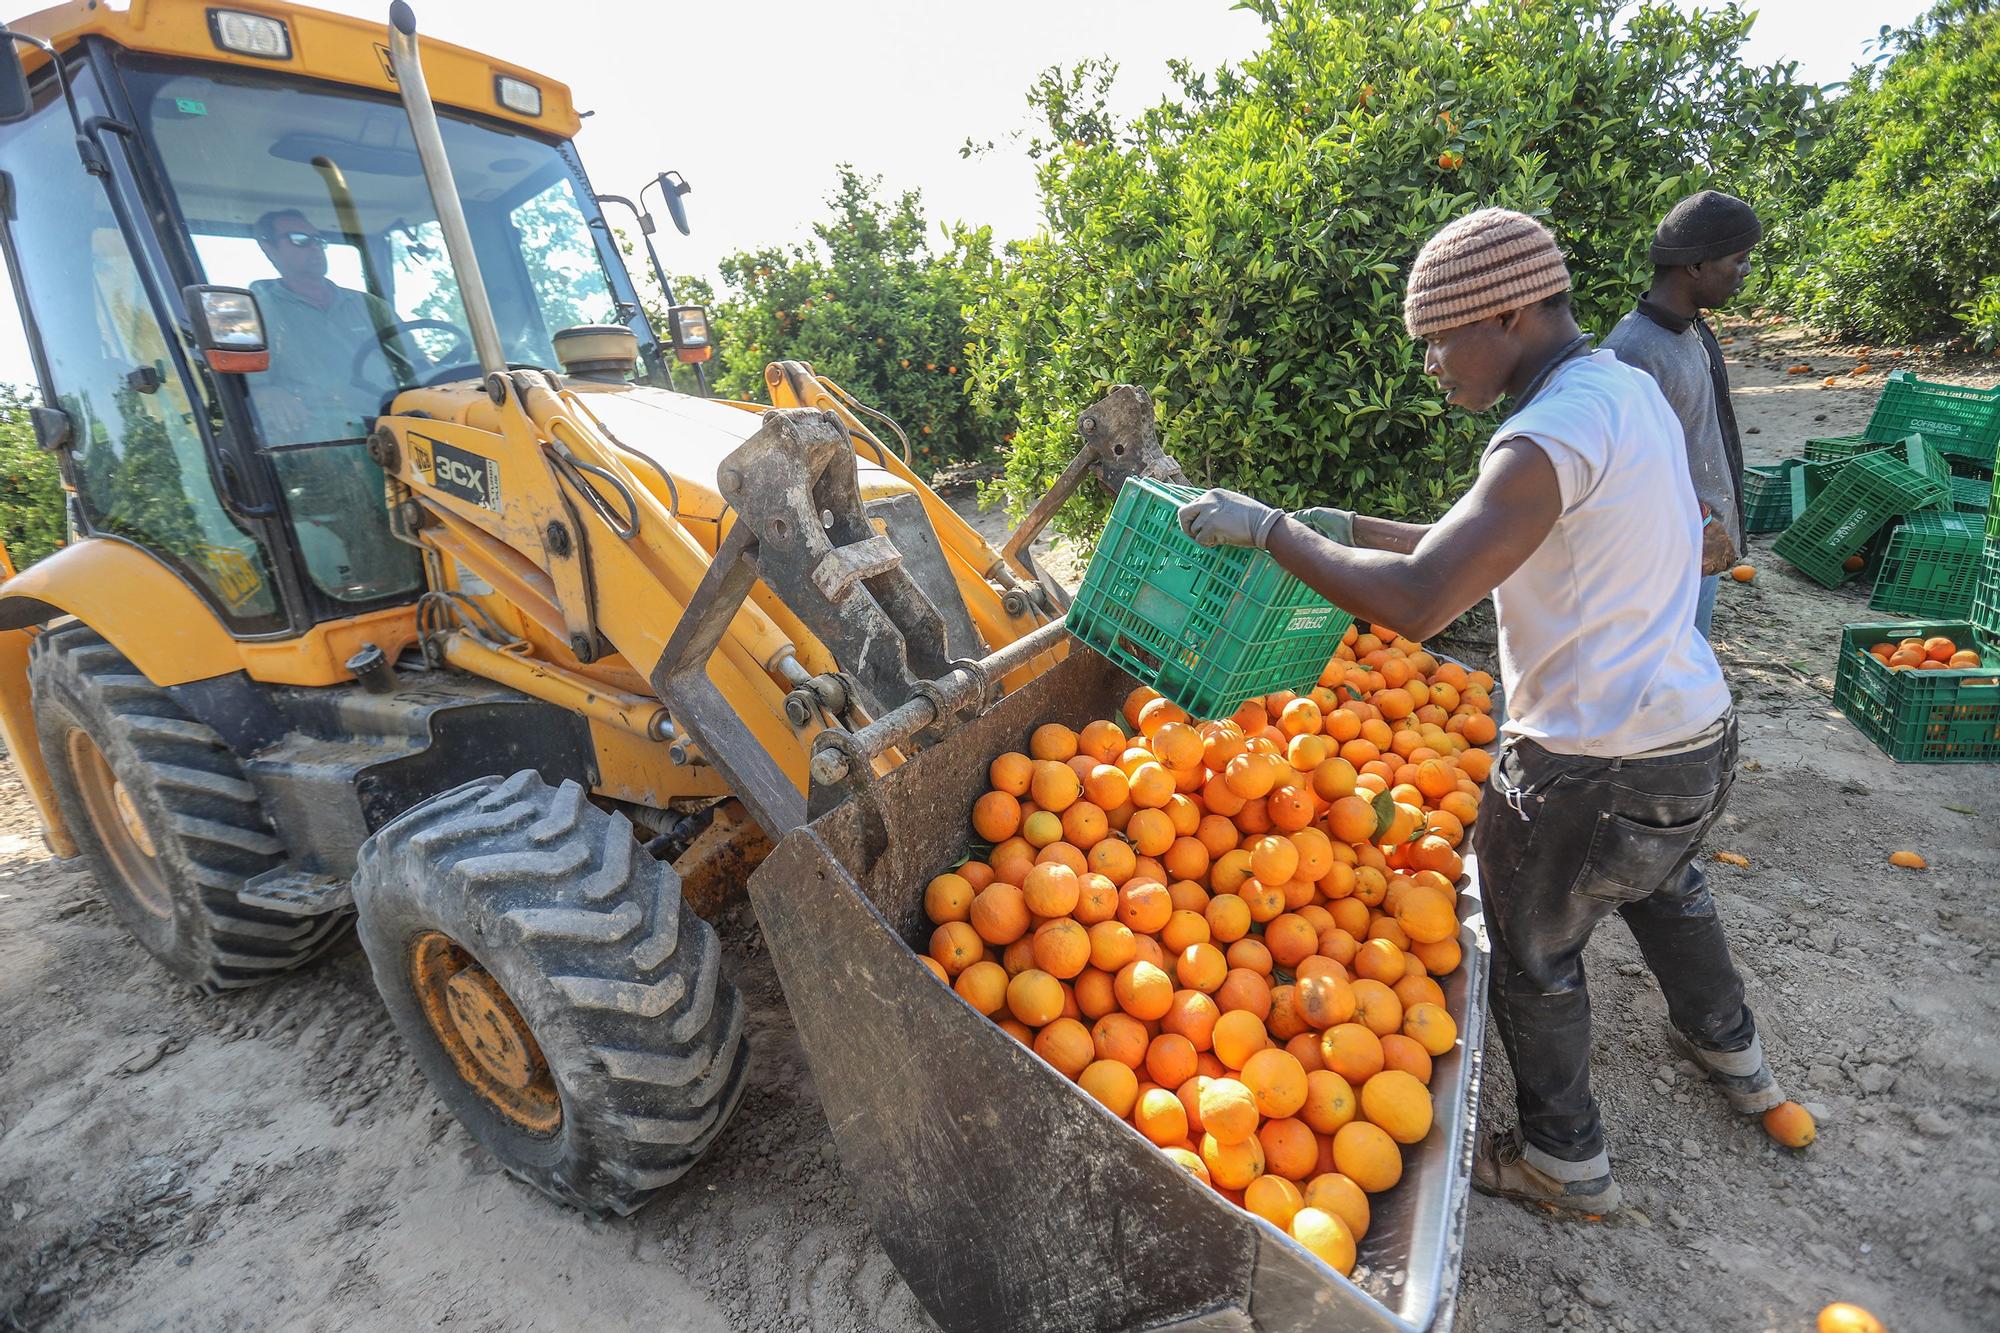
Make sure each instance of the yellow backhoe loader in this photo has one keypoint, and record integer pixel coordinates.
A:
(405, 592)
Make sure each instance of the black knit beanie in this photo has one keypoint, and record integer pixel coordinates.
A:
(1705, 226)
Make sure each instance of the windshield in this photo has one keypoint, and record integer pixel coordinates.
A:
(312, 197)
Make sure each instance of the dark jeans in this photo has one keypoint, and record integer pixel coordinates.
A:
(1562, 841)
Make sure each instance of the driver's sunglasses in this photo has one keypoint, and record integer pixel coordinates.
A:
(303, 239)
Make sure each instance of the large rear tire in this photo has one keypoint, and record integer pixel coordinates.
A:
(561, 999)
(162, 814)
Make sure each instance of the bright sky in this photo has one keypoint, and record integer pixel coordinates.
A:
(754, 104)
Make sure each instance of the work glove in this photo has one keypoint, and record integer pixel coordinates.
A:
(1336, 525)
(1228, 518)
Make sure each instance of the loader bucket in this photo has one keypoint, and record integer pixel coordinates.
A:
(1007, 1196)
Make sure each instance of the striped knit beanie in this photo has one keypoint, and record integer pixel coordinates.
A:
(1481, 265)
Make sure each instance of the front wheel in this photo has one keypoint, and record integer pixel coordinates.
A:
(163, 816)
(561, 999)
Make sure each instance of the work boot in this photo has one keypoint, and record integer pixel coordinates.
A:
(1502, 1167)
(1744, 1076)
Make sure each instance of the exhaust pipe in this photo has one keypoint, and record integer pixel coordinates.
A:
(416, 97)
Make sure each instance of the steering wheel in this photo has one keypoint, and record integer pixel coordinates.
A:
(460, 350)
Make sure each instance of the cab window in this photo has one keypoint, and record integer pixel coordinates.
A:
(138, 457)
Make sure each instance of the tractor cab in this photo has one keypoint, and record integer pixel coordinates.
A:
(208, 166)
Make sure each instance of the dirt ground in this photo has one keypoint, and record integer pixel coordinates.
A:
(272, 1160)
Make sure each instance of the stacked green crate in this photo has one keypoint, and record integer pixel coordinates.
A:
(1962, 423)
(1767, 495)
(1863, 496)
(1930, 566)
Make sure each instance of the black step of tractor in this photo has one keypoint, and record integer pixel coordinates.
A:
(294, 892)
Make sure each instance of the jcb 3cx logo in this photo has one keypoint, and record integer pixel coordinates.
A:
(459, 472)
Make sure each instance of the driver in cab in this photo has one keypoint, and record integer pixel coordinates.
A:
(335, 352)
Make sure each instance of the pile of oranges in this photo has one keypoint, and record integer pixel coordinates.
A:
(1231, 932)
(1936, 653)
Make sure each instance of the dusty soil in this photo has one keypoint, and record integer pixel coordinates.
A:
(272, 1160)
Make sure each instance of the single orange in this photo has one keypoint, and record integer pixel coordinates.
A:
(1112, 1083)
(1094, 997)
(1791, 1125)
(1228, 1110)
(1056, 786)
(1114, 859)
(1121, 1037)
(1291, 940)
(1000, 914)
(1290, 1150)
(1232, 1166)
(1336, 1194)
(1052, 740)
(1066, 1045)
(1399, 1103)
(1193, 1015)
(1159, 1115)
(1062, 948)
(1273, 1198)
(1096, 900)
(983, 985)
(1144, 905)
(948, 898)
(1431, 1027)
(1329, 1103)
(1170, 1060)
(1365, 1154)
(1052, 890)
(1158, 714)
(1278, 1082)
(1239, 1034)
(1325, 1236)
(1143, 990)
(1352, 1051)
(1377, 1008)
(1201, 967)
(1228, 918)
(996, 816)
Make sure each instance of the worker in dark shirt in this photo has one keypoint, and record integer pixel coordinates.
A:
(1701, 258)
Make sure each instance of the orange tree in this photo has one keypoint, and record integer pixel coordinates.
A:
(1893, 227)
(1240, 248)
(31, 494)
(871, 305)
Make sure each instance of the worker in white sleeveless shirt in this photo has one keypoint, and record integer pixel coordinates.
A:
(1619, 746)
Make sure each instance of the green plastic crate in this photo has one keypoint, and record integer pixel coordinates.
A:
(1930, 567)
(1860, 501)
(1962, 422)
(1921, 717)
(1839, 448)
(1207, 627)
(1809, 480)
(1962, 467)
(1986, 593)
(1767, 495)
(1970, 495)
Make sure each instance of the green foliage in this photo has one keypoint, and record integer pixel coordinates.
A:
(31, 494)
(870, 305)
(1240, 249)
(1892, 231)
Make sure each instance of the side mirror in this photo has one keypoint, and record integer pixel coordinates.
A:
(672, 186)
(14, 100)
(687, 329)
(228, 328)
